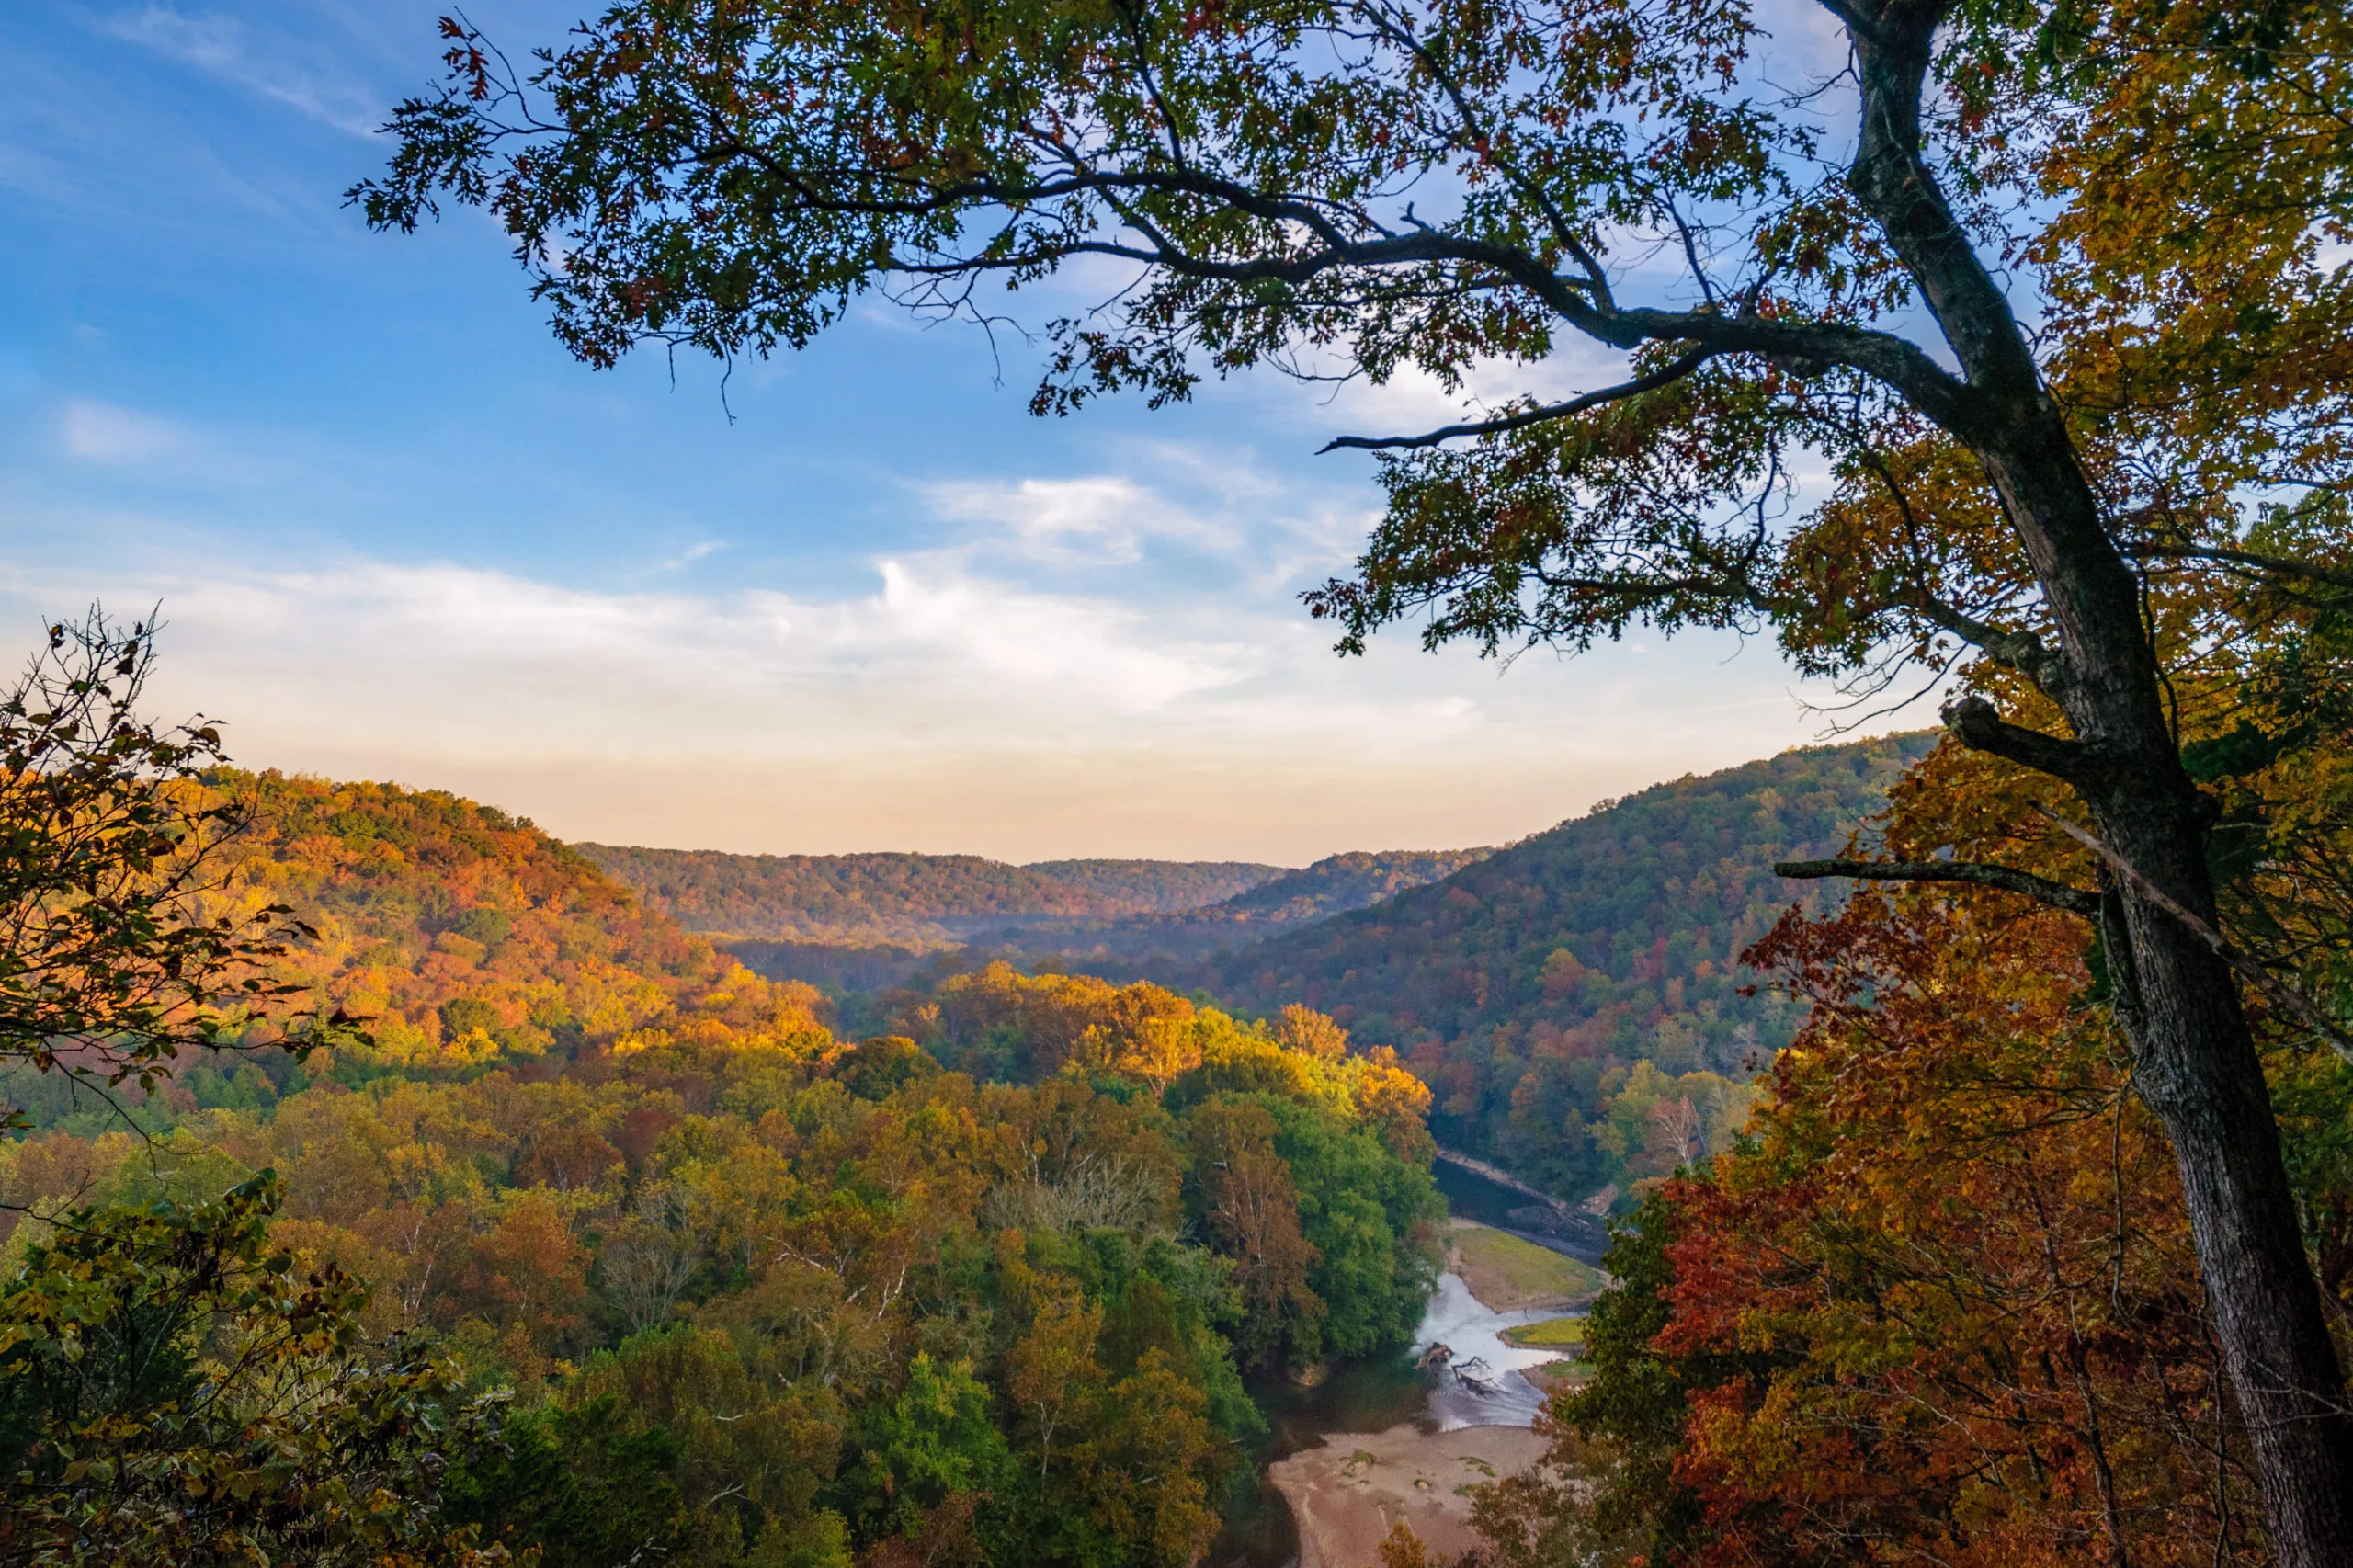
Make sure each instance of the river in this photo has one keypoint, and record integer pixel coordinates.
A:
(1373, 1396)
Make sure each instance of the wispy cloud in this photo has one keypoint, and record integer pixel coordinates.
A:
(134, 443)
(1102, 519)
(103, 433)
(700, 550)
(1169, 518)
(941, 707)
(275, 68)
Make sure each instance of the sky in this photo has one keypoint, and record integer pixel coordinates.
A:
(852, 599)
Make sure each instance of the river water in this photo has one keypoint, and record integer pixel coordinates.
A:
(1372, 1396)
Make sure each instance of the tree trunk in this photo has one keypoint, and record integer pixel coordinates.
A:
(2198, 1068)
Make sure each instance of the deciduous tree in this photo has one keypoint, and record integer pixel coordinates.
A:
(178, 1392)
(1358, 188)
(113, 963)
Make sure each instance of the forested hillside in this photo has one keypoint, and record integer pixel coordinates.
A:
(1330, 886)
(1160, 887)
(1528, 988)
(843, 898)
(1076, 906)
(1574, 1001)
(763, 1295)
(1341, 883)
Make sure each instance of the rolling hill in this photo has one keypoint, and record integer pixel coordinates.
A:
(902, 898)
(1330, 886)
(1182, 908)
(1551, 993)
(1524, 987)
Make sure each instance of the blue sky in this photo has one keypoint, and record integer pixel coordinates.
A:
(398, 534)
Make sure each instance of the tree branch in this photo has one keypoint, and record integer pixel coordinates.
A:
(1666, 375)
(2058, 895)
(1583, 303)
(2277, 992)
(1975, 724)
(2271, 566)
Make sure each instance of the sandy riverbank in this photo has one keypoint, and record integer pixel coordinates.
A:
(1346, 1496)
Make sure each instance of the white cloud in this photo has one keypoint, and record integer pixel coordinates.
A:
(1097, 520)
(944, 709)
(102, 433)
(689, 556)
(129, 442)
(448, 654)
(974, 633)
(226, 48)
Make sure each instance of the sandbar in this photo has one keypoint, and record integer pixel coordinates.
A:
(1505, 1274)
(1346, 1496)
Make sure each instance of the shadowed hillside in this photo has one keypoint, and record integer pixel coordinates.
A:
(1332, 885)
(1525, 987)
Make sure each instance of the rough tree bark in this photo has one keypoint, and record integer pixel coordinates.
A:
(2198, 1065)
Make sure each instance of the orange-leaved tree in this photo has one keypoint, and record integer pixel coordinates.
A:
(1941, 1305)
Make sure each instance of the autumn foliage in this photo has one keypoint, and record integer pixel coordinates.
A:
(1957, 1258)
(983, 1291)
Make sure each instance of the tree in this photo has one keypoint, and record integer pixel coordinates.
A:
(934, 1447)
(178, 1392)
(1251, 1206)
(111, 964)
(1357, 188)
(578, 1486)
(1939, 1304)
(1052, 1369)
(1946, 1284)
(1303, 1028)
(1148, 1463)
(650, 1258)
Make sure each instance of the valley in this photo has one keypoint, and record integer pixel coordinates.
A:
(606, 1163)
(1576, 1000)
(1923, 1148)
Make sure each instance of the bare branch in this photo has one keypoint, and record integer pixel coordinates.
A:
(1666, 375)
(2058, 895)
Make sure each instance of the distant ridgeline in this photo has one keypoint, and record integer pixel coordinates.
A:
(1332, 886)
(919, 899)
(791, 914)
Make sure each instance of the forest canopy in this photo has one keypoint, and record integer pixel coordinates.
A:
(736, 1290)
